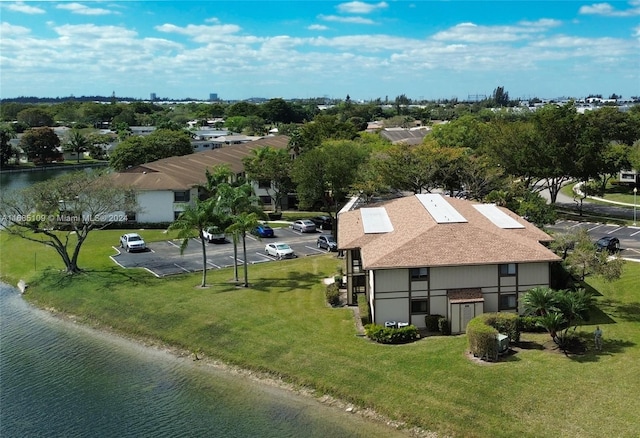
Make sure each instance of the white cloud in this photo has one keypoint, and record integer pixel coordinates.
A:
(339, 19)
(357, 7)
(607, 10)
(472, 33)
(25, 9)
(317, 27)
(8, 30)
(78, 8)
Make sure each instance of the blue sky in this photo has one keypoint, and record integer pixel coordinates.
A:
(242, 49)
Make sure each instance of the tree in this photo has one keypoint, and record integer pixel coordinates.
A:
(162, 143)
(6, 150)
(242, 223)
(585, 260)
(500, 97)
(61, 212)
(35, 117)
(272, 167)
(77, 142)
(197, 218)
(40, 144)
(407, 167)
(325, 175)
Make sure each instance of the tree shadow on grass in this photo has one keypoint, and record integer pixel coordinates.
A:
(295, 281)
(106, 279)
(629, 312)
(609, 347)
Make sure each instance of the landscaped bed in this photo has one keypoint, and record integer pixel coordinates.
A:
(282, 325)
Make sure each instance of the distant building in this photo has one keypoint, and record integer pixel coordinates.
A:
(153, 97)
(213, 97)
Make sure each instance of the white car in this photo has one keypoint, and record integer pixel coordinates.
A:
(279, 250)
(304, 226)
(132, 242)
(214, 235)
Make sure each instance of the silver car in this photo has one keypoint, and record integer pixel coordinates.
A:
(279, 250)
(304, 226)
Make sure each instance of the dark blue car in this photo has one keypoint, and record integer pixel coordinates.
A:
(263, 230)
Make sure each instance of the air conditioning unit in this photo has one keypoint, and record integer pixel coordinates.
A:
(503, 343)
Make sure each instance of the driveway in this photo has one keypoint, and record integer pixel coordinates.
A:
(164, 258)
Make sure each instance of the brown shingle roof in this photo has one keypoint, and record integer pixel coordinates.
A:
(186, 171)
(418, 240)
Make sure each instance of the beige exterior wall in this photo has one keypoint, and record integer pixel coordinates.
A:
(531, 275)
(396, 309)
(455, 277)
(391, 280)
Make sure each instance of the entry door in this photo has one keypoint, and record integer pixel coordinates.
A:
(468, 312)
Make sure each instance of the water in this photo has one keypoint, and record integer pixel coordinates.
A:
(58, 379)
(20, 180)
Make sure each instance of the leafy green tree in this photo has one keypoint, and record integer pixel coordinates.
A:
(272, 166)
(161, 143)
(40, 144)
(61, 212)
(325, 175)
(35, 117)
(539, 301)
(6, 151)
(243, 223)
(278, 111)
(586, 260)
(407, 167)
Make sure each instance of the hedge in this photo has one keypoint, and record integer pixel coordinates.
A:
(482, 332)
(389, 335)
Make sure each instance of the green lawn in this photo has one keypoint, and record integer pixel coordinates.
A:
(281, 325)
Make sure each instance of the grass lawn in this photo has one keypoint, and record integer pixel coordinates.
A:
(281, 325)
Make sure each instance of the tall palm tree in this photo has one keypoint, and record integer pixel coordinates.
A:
(234, 201)
(196, 218)
(242, 223)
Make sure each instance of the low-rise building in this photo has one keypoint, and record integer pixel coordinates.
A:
(428, 254)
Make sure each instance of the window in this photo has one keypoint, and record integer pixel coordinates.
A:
(359, 284)
(184, 196)
(264, 184)
(419, 273)
(131, 216)
(420, 306)
(508, 270)
(507, 301)
(265, 200)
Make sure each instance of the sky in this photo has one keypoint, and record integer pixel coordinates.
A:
(424, 49)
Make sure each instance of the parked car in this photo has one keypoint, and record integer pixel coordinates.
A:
(323, 222)
(279, 250)
(304, 226)
(214, 235)
(609, 243)
(132, 242)
(326, 241)
(263, 230)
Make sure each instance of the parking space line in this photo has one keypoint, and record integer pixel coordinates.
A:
(615, 229)
(313, 248)
(597, 226)
(214, 265)
(635, 233)
(171, 243)
(181, 267)
(576, 225)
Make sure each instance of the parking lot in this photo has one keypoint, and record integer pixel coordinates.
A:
(629, 236)
(164, 258)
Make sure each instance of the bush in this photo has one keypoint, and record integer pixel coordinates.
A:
(431, 322)
(443, 326)
(530, 324)
(333, 294)
(482, 332)
(389, 335)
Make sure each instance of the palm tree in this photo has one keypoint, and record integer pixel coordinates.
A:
(195, 218)
(242, 223)
(234, 201)
(553, 323)
(539, 301)
(78, 143)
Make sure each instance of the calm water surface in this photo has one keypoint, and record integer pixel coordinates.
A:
(58, 379)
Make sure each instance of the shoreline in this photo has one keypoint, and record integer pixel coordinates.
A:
(262, 378)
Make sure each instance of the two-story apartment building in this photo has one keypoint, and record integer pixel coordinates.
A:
(432, 255)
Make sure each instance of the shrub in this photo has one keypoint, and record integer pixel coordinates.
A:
(505, 323)
(363, 307)
(443, 326)
(530, 324)
(389, 335)
(431, 322)
(482, 339)
(332, 294)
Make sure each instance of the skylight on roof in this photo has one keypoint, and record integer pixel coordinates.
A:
(440, 210)
(497, 216)
(375, 220)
